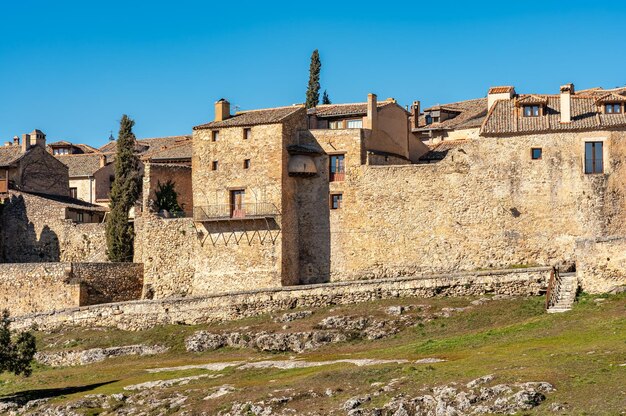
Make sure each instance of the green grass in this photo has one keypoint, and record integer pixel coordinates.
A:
(579, 352)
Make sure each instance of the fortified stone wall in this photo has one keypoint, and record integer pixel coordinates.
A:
(486, 205)
(601, 263)
(145, 314)
(37, 287)
(34, 229)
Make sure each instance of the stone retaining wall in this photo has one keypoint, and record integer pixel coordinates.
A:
(35, 287)
(601, 263)
(137, 315)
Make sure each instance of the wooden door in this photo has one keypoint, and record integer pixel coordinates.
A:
(237, 203)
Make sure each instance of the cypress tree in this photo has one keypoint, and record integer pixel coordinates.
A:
(124, 194)
(325, 98)
(313, 90)
(16, 350)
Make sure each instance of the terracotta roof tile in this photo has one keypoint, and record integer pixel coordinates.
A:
(254, 117)
(335, 110)
(471, 114)
(505, 118)
(501, 90)
(177, 151)
(144, 146)
(80, 165)
(10, 154)
(440, 150)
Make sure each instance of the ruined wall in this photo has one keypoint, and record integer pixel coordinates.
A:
(487, 205)
(34, 229)
(38, 287)
(145, 314)
(601, 263)
(181, 177)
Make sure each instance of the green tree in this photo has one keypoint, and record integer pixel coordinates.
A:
(167, 198)
(124, 193)
(313, 90)
(16, 350)
(325, 98)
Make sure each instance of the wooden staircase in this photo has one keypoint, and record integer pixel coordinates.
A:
(561, 292)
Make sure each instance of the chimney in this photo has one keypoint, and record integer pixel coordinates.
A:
(415, 113)
(103, 161)
(16, 140)
(37, 138)
(25, 142)
(499, 93)
(222, 109)
(372, 112)
(566, 102)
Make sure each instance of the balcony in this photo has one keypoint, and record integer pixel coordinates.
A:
(337, 176)
(229, 212)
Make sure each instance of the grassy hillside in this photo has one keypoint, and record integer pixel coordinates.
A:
(582, 353)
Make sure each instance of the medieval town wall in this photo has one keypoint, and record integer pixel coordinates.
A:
(137, 315)
(35, 229)
(37, 287)
(486, 205)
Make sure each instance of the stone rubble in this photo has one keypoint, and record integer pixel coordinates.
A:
(94, 355)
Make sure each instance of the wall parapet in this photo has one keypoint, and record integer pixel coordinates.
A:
(143, 314)
(37, 287)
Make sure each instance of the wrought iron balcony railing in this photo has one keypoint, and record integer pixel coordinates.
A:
(222, 212)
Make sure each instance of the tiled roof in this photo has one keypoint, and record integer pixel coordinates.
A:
(441, 149)
(85, 148)
(471, 114)
(501, 90)
(145, 146)
(181, 150)
(82, 164)
(66, 201)
(505, 118)
(610, 97)
(10, 154)
(254, 117)
(532, 99)
(354, 109)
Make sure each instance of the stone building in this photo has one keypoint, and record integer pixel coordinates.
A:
(286, 196)
(82, 168)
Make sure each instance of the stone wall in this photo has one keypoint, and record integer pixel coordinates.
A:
(34, 229)
(601, 263)
(39, 171)
(36, 287)
(180, 175)
(145, 314)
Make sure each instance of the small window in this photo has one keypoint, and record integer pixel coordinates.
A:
(613, 108)
(531, 111)
(335, 201)
(535, 153)
(74, 192)
(79, 217)
(214, 165)
(334, 125)
(355, 124)
(247, 133)
(246, 164)
(594, 162)
(337, 168)
(215, 135)
(429, 119)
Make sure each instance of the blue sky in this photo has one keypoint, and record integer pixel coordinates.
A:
(72, 68)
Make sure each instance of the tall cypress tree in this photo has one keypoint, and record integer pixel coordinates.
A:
(124, 194)
(313, 90)
(325, 98)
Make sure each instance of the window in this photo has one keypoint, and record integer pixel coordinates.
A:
(535, 153)
(74, 192)
(531, 111)
(246, 164)
(429, 119)
(334, 125)
(215, 135)
(247, 133)
(79, 217)
(214, 165)
(61, 151)
(355, 124)
(337, 169)
(593, 157)
(612, 108)
(335, 201)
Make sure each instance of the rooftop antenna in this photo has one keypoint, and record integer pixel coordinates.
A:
(237, 109)
(111, 138)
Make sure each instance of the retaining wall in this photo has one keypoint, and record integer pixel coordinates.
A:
(137, 315)
(601, 263)
(35, 287)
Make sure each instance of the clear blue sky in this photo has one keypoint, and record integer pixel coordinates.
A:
(72, 68)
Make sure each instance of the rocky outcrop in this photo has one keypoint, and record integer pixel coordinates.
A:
(94, 355)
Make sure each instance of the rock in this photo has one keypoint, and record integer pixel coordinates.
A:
(288, 317)
(202, 341)
(221, 391)
(355, 402)
(395, 310)
(481, 380)
(344, 323)
(94, 355)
